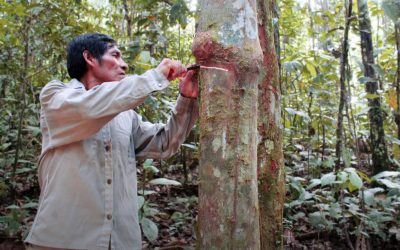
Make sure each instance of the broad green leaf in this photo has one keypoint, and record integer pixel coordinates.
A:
(355, 180)
(148, 162)
(4, 146)
(146, 192)
(335, 211)
(295, 203)
(364, 176)
(317, 219)
(311, 69)
(13, 207)
(369, 195)
(328, 179)
(24, 170)
(378, 70)
(389, 183)
(150, 211)
(351, 187)
(151, 168)
(313, 183)
(30, 205)
(35, 130)
(150, 229)
(299, 215)
(164, 181)
(329, 162)
(392, 9)
(140, 201)
(342, 176)
(292, 66)
(385, 174)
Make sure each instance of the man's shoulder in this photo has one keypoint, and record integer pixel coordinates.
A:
(59, 84)
(71, 84)
(56, 85)
(54, 82)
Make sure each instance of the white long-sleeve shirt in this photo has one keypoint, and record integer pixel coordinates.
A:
(87, 169)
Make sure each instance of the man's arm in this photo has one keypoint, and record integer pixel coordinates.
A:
(71, 115)
(162, 141)
(75, 114)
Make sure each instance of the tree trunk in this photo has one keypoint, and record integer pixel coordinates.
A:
(342, 99)
(270, 165)
(227, 37)
(23, 104)
(128, 19)
(397, 112)
(380, 159)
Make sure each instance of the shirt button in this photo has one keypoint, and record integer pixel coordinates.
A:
(109, 181)
(159, 85)
(108, 147)
(109, 216)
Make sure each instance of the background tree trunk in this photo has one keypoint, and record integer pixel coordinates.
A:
(227, 37)
(380, 159)
(397, 112)
(270, 165)
(342, 99)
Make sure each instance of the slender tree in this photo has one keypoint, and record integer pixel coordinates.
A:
(271, 177)
(343, 65)
(380, 159)
(227, 37)
(397, 116)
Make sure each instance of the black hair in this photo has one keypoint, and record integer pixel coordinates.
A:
(96, 43)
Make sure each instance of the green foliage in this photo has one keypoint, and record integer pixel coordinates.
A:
(392, 9)
(33, 39)
(33, 36)
(150, 229)
(344, 200)
(146, 208)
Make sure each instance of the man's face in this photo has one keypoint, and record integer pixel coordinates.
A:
(111, 67)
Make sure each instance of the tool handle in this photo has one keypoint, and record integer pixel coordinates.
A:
(193, 67)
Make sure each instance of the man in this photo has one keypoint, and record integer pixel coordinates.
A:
(91, 140)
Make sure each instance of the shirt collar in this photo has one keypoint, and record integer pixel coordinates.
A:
(76, 84)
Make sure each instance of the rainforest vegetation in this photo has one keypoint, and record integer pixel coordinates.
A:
(323, 103)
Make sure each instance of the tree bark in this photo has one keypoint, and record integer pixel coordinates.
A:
(270, 165)
(342, 99)
(128, 19)
(397, 112)
(380, 159)
(227, 37)
(25, 82)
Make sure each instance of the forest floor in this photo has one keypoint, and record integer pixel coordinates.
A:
(175, 217)
(177, 222)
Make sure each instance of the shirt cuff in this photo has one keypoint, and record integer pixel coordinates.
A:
(195, 98)
(160, 78)
(183, 104)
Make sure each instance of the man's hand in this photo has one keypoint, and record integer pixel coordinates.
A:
(171, 69)
(189, 86)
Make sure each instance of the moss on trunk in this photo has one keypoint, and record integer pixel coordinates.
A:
(270, 155)
(228, 202)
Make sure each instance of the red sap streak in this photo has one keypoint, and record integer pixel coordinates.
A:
(216, 68)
